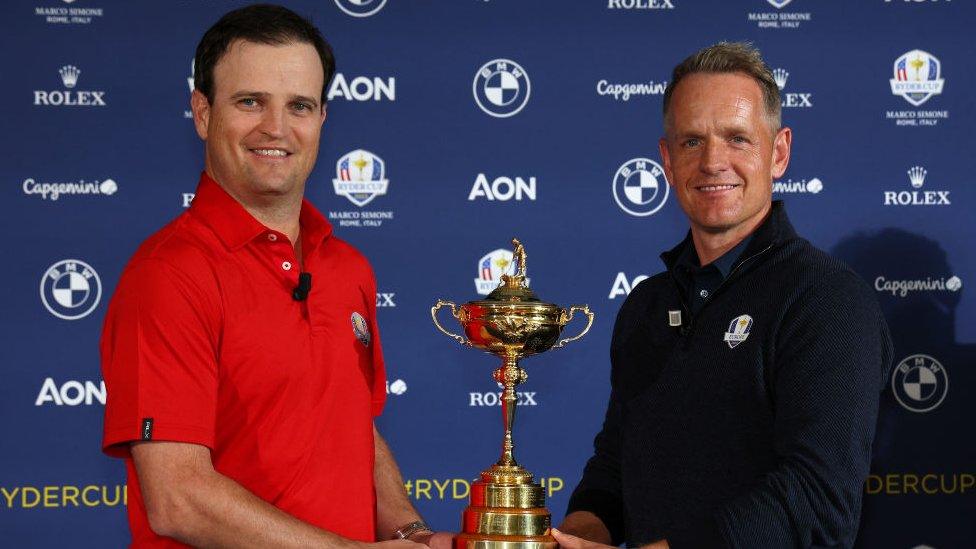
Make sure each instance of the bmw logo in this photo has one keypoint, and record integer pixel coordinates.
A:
(920, 383)
(501, 88)
(360, 8)
(639, 187)
(70, 289)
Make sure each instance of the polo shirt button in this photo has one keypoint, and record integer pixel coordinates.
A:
(703, 293)
(286, 265)
(272, 237)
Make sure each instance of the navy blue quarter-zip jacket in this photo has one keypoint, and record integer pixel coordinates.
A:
(750, 424)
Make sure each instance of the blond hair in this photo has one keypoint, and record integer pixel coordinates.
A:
(730, 57)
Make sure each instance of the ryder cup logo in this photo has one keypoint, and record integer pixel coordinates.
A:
(491, 267)
(360, 177)
(738, 330)
(779, 4)
(920, 383)
(501, 88)
(360, 328)
(917, 77)
(360, 8)
(70, 289)
(639, 187)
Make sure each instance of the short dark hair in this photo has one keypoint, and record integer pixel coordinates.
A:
(263, 24)
(729, 57)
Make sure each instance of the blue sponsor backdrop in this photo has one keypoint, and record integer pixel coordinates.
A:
(469, 122)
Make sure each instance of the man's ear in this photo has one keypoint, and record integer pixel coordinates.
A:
(201, 113)
(782, 143)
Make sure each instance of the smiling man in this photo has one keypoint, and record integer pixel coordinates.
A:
(241, 396)
(746, 377)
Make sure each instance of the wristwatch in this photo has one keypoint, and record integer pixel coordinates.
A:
(407, 530)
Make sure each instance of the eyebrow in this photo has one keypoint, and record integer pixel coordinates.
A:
(263, 95)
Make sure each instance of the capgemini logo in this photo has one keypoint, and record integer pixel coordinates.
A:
(916, 174)
(69, 75)
(954, 284)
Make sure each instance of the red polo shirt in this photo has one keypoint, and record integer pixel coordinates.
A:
(203, 343)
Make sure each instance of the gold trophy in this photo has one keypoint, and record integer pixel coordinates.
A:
(507, 509)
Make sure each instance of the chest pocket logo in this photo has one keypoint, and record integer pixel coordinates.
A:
(738, 330)
(360, 328)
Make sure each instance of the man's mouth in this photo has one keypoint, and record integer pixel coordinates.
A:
(716, 188)
(270, 153)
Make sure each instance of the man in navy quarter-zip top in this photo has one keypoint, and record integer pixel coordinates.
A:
(745, 378)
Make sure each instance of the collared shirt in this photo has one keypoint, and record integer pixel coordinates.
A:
(700, 282)
(203, 343)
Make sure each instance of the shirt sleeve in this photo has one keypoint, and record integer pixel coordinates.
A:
(599, 491)
(378, 398)
(159, 358)
(831, 358)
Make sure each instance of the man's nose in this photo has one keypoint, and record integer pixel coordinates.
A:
(714, 158)
(273, 122)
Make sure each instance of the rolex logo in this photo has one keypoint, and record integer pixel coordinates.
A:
(69, 75)
(70, 96)
(780, 76)
(916, 174)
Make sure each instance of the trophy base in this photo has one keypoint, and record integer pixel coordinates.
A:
(507, 511)
(480, 541)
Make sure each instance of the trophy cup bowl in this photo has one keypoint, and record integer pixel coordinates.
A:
(507, 509)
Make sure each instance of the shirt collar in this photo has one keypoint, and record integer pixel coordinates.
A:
(688, 257)
(235, 227)
(775, 230)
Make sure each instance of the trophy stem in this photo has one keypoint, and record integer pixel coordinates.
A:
(509, 375)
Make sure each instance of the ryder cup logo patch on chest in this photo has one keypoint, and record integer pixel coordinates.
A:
(360, 328)
(738, 330)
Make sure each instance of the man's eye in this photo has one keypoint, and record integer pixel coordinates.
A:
(248, 101)
(740, 139)
(692, 142)
(303, 107)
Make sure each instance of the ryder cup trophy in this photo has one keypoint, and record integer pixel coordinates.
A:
(507, 509)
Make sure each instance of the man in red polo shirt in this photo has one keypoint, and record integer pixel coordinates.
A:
(241, 396)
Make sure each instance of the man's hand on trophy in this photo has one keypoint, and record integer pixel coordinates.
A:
(437, 540)
(395, 544)
(434, 540)
(567, 541)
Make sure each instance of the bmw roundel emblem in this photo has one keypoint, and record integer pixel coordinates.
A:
(360, 8)
(640, 187)
(920, 383)
(70, 289)
(501, 88)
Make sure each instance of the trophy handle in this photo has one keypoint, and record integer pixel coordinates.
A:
(585, 309)
(433, 315)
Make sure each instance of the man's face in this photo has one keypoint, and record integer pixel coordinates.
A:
(262, 129)
(720, 154)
